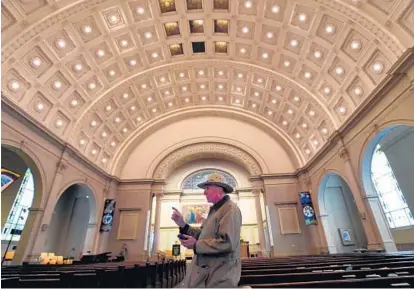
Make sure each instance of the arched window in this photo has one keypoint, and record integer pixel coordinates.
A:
(19, 212)
(191, 182)
(392, 199)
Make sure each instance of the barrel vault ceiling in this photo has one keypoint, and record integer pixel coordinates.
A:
(95, 73)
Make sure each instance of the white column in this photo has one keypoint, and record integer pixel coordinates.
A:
(158, 200)
(256, 193)
(373, 238)
(330, 240)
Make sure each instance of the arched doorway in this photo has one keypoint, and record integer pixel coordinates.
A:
(73, 223)
(340, 219)
(387, 166)
(21, 191)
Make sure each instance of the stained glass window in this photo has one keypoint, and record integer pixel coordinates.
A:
(391, 198)
(191, 182)
(19, 212)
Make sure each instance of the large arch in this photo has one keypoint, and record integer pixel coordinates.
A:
(371, 194)
(32, 225)
(338, 213)
(70, 230)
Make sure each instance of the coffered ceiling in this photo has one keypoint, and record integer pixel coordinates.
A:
(94, 73)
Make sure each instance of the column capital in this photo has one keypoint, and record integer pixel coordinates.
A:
(158, 194)
(257, 191)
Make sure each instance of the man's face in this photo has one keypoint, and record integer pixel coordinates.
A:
(213, 193)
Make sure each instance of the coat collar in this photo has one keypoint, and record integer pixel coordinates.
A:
(220, 203)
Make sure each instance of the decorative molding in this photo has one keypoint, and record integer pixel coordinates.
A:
(204, 150)
(287, 203)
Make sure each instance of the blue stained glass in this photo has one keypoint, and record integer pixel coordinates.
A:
(191, 182)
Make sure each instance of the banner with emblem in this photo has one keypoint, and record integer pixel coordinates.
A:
(307, 208)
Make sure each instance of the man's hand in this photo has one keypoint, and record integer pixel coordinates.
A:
(178, 218)
(189, 243)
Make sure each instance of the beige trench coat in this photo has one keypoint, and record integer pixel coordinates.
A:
(216, 262)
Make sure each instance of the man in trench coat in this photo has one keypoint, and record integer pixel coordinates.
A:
(216, 244)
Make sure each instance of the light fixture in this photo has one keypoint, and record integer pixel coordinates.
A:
(14, 85)
(330, 29)
(327, 90)
(308, 75)
(78, 67)
(113, 143)
(149, 99)
(143, 86)
(274, 101)
(304, 125)
(285, 123)
(125, 95)
(108, 108)
(60, 43)
(111, 72)
(94, 151)
(104, 160)
(132, 62)
(82, 142)
(238, 89)
(57, 84)
(240, 75)
(237, 100)
(378, 67)
(317, 54)
(100, 53)
(139, 10)
(167, 92)
(243, 50)
(356, 44)
(265, 55)
(296, 98)
(86, 29)
(339, 70)
(162, 79)
(324, 130)
(248, 4)
(286, 63)
(297, 135)
(259, 80)
(139, 118)
(311, 113)
(181, 75)
(256, 94)
(154, 55)
(184, 88)
(358, 91)
(91, 85)
(220, 98)
(270, 112)
(220, 72)
(220, 86)
(307, 151)
(290, 111)
(74, 102)
(36, 62)
(154, 110)
(202, 86)
(104, 134)
(40, 107)
(117, 119)
(315, 142)
(201, 72)
(114, 18)
(294, 43)
(302, 17)
(275, 9)
(148, 35)
(245, 29)
(203, 98)
(342, 109)
(124, 130)
(254, 105)
(93, 123)
(123, 43)
(269, 35)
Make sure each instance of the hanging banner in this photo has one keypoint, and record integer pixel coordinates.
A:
(108, 215)
(307, 208)
(176, 250)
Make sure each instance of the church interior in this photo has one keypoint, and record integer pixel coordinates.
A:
(112, 111)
